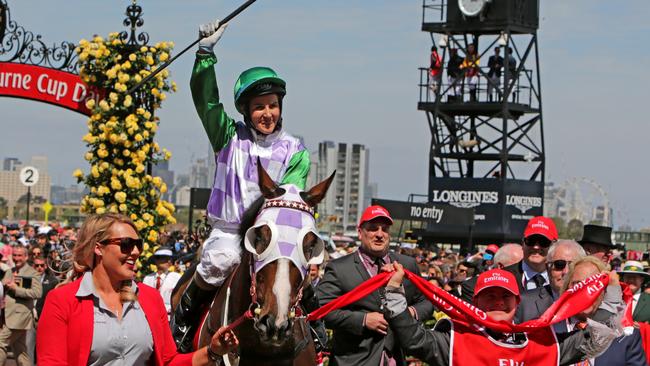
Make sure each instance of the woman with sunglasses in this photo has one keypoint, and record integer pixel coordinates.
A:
(103, 315)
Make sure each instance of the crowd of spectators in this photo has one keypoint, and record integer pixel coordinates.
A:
(45, 251)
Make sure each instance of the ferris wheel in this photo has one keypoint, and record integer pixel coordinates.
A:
(583, 199)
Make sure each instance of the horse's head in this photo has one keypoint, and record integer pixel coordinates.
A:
(283, 242)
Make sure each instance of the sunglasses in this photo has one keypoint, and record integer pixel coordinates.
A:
(38, 265)
(542, 242)
(126, 244)
(559, 264)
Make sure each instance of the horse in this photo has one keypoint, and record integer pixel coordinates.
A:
(262, 295)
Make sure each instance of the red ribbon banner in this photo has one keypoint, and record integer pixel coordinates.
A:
(573, 301)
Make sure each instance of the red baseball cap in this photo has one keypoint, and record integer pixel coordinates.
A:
(492, 248)
(373, 212)
(541, 225)
(496, 278)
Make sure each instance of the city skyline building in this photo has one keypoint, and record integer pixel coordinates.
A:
(347, 196)
(11, 188)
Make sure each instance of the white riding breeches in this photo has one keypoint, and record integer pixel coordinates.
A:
(221, 254)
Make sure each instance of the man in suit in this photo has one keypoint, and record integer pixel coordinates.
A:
(361, 334)
(634, 276)
(22, 286)
(530, 273)
(534, 303)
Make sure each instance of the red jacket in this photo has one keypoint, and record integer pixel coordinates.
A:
(65, 328)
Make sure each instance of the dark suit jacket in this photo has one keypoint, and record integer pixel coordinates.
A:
(624, 351)
(642, 310)
(352, 343)
(467, 287)
(533, 304)
(49, 282)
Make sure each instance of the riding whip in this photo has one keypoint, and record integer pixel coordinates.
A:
(225, 20)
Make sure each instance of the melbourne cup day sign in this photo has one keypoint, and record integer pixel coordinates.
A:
(56, 87)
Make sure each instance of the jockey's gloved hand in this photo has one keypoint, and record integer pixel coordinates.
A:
(210, 35)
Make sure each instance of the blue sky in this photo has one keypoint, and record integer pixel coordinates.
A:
(351, 68)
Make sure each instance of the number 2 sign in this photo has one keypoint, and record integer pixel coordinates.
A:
(29, 176)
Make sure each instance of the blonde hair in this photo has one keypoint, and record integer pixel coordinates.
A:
(602, 267)
(96, 229)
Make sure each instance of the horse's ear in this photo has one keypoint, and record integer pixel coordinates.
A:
(267, 186)
(317, 192)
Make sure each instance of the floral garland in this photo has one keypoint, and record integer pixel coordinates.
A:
(121, 134)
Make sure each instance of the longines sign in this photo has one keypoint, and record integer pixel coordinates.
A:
(46, 85)
(441, 214)
(501, 209)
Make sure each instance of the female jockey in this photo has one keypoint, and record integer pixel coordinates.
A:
(238, 146)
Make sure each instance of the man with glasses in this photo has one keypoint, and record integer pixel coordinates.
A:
(48, 282)
(540, 233)
(534, 303)
(361, 333)
(530, 273)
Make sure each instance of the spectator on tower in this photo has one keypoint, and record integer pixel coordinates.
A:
(435, 69)
(512, 73)
(470, 66)
(495, 64)
(455, 75)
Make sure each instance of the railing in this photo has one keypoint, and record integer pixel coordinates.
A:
(521, 93)
(434, 11)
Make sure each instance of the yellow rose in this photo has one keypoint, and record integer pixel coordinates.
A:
(128, 101)
(104, 105)
(100, 210)
(123, 207)
(115, 184)
(113, 97)
(139, 168)
(120, 197)
(94, 171)
(163, 56)
(88, 156)
(132, 57)
(90, 103)
(77, 173)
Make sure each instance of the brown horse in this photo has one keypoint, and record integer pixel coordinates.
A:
(269, 285)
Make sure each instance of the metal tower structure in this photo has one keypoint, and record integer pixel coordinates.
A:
(487, 142)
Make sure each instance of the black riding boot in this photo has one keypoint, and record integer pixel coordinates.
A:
(187, 314)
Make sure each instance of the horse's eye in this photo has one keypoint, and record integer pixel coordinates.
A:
(262, 238)
(308, 243)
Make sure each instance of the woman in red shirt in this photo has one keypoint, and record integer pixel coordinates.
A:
(104, 315)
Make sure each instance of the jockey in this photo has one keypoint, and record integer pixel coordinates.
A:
(259, 92)
(453, 342)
